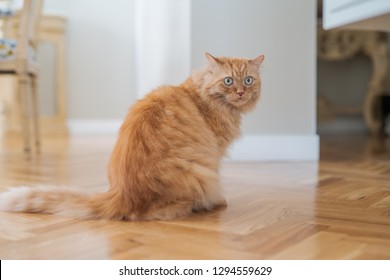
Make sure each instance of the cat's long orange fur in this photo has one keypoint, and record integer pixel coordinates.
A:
(166, 161)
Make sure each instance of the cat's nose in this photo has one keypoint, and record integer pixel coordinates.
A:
(240, 93)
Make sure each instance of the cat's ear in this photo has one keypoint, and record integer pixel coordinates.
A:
(213, 62)
(257, 61)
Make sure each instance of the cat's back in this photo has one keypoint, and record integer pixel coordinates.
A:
(164, 97)
(169, 111)
(166, 123)
(164, 104)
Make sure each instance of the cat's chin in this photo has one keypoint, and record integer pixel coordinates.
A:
(244, 105)
(237, 104)
(241, 103)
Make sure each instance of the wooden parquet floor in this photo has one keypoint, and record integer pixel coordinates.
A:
(338, 208)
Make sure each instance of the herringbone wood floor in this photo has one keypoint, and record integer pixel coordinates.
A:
(338, 208)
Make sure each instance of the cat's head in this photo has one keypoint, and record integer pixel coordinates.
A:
(233, 82)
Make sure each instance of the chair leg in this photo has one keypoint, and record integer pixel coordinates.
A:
(23, 91)
(36, 113)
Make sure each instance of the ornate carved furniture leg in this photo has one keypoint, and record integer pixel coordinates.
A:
(335, 45)
(376, 48)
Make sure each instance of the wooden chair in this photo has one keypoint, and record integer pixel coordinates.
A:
(19, 57)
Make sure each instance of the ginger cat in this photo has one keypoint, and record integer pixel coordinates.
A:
(166, 161)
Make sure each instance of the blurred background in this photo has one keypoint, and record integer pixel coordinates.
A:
(97, 57)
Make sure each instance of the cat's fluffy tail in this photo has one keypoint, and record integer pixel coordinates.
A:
(55, 200)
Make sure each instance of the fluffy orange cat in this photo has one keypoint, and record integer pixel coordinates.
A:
(166, 161)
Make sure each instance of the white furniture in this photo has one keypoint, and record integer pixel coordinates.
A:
(53, 117)
(357, 14)
(368, 17)
(20, 59)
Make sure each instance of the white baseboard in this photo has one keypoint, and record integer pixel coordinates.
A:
(248, 148)
(94, 127)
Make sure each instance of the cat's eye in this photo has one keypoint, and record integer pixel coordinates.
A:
(248, 81)
(228, 81)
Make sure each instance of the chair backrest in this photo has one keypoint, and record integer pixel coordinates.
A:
(30, 15)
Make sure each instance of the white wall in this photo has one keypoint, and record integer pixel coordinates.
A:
(162, 39)
(100, 56)
(282, 30)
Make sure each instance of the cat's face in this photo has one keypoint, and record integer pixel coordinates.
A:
(234, 81)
